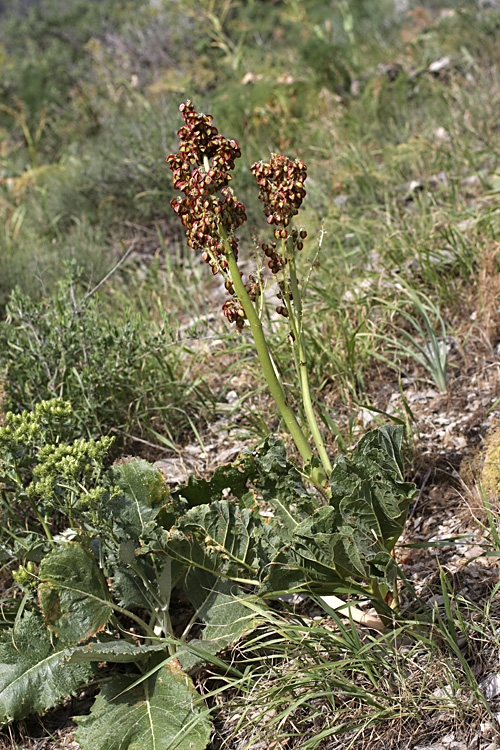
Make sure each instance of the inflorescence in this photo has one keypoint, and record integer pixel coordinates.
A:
(281, 183)
(201, 171)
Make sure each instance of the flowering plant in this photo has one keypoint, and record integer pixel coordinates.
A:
(345, 537)
(211, 214)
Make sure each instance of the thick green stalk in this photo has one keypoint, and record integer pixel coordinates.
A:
(267, 365)
(378, 601)
(293, 323)
(303, 374)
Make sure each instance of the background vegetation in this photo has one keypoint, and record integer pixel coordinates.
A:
(392, 105)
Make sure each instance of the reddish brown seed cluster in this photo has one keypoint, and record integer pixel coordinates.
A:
(234, 312)
(282, 309)
(253, 286)
(201, 170)
(276, 259)
(232, 308)
(210, 211)
(199, 139)
(281, 183)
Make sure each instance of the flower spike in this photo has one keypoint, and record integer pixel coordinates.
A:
(201, 171)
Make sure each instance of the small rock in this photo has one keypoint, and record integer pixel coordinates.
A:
(438, 65)
(441, 134)
(232, 397)
(472, 180)
(250, 78)
(466, 224)
(440, 178)
(232, 452)
(414, 187)
(365, 417)
(192, 450)
(431, 393)
(438, 600)
(490, 686)
(475, 551)
(174, 470)
(443, 692)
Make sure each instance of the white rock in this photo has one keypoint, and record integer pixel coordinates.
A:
(490, 686)
(438, 65)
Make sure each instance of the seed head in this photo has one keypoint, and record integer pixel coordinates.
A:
(201, 171)
(281, 183)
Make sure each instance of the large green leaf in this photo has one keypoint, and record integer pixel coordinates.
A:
(129, 589)
(329, 555)
(368, 486)
(222, 538)
(349, 542)
(73, 594)
(280, 485)
(163, 712)
(233, 477)
(217, 603)
(113, 651)
(33, 674)
(139, 495)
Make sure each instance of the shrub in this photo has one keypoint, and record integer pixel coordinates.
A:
(122, 374)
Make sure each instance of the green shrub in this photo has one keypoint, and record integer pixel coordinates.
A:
(47, 45)
(119, 374)
(33, 260)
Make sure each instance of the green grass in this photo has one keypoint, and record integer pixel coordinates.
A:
(315, 681)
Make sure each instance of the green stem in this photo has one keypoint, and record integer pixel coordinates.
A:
(42, 521)
(293, 323)
(147, 585)
(266, 362)
(303, 374)
(127, 613)
(165, 586)
(379, 604)
(317, 474)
